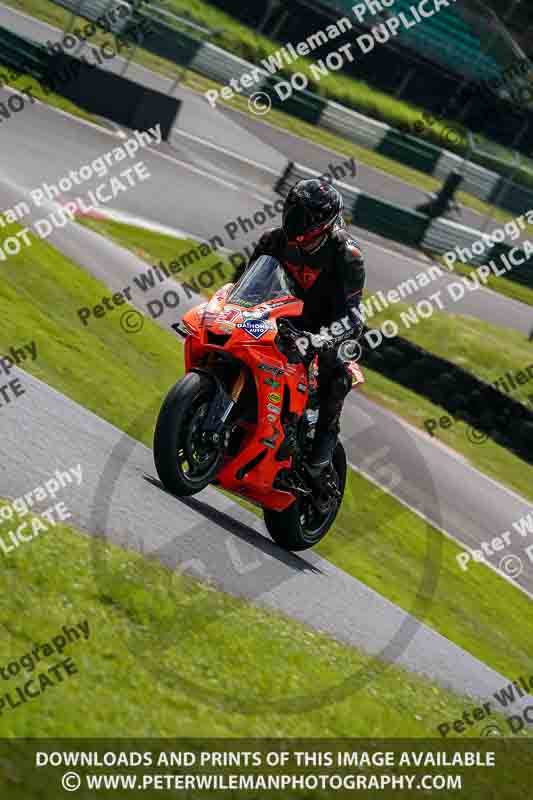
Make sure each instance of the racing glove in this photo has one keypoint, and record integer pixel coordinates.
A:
(305, 343)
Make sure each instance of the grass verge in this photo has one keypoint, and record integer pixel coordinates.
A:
(502, 285)
(155, 248)
(375, 539)
(473, 344)
(166, 653)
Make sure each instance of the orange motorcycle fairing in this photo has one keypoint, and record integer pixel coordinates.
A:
(223, 327)
(235, 337)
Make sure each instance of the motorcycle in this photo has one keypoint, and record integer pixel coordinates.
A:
(244, 415)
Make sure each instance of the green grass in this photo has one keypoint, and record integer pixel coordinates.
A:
(502, 285)
(99, 365)
(376, 539)
(155, 247)
(397, 554)
(367, 100)
(473, 344)
(166, 653)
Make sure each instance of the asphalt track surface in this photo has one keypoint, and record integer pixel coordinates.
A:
(434, 481)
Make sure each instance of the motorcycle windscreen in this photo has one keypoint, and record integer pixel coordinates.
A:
(264, 280)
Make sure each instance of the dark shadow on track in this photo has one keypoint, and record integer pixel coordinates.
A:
(240, 530)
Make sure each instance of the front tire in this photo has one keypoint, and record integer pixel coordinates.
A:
(296, 528)
(184, 464)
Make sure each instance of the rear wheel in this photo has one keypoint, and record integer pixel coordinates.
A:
(301, 526)
(185, 462)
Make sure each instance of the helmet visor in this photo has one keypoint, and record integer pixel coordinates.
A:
(300, 227)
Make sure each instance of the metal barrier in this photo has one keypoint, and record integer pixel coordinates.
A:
(411, 151)
(477, 180)
(352, 125)
(98, 91)
(511, 196)
(23, 54)
(390, 220)
(94, 10)
(294, 172)
(444, 235)
(220, 65)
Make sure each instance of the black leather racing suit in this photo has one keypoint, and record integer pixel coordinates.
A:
(330, 283)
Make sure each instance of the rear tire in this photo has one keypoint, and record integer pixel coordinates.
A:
(183, 464)
(289, 529)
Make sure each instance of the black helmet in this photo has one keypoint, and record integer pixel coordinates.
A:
(312, 209)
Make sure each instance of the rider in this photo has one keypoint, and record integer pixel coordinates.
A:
(327, 266)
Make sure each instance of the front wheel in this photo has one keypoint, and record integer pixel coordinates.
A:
(185, 462)
(300, 526)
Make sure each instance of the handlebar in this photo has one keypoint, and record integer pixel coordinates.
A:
(286, 328)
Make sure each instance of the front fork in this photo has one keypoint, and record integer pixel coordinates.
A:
(222, 405)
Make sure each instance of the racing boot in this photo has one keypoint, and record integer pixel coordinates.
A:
(319, 471)
(322, 452)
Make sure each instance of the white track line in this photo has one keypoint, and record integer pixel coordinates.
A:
(437, 527)
(226, 150)
(99, 128)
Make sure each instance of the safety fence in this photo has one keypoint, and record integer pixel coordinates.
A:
(23, 54)
(116, 13)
